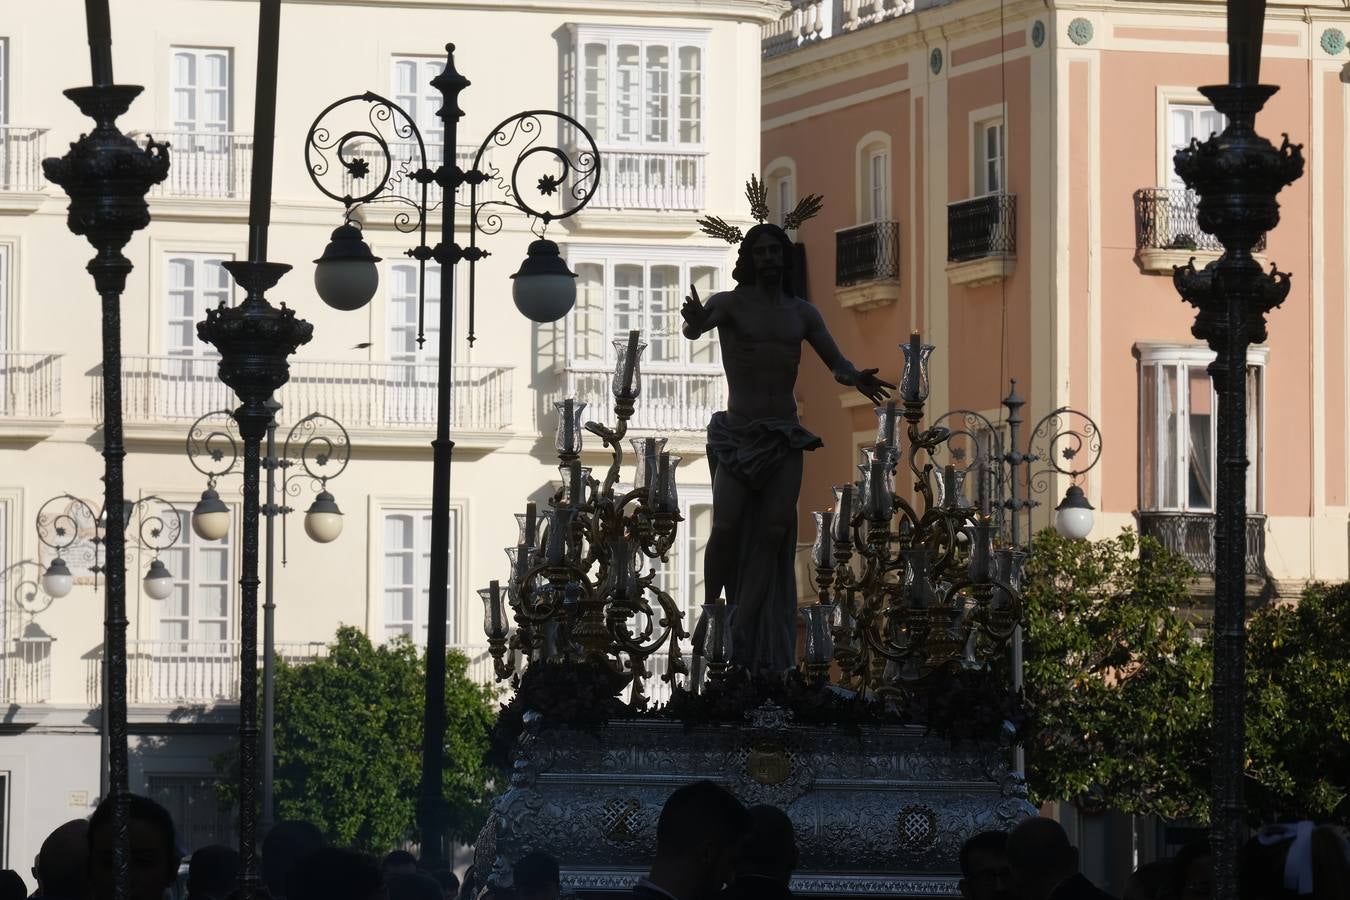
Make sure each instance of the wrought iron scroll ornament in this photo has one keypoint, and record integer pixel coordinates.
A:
(546, 182)
(65, 519)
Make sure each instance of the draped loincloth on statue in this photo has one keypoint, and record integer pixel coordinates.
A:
(764, 590)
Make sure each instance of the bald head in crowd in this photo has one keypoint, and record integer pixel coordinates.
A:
(62, 865)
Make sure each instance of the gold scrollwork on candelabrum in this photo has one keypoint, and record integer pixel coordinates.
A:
(908, 589)
(576, 590)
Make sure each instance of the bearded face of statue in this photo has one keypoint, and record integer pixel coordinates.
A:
(767, 255)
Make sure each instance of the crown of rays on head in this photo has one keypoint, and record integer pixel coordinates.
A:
(758, 196)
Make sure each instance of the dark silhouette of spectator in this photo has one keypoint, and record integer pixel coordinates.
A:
(448, 882)
(698, 838)
(414, 886)
(469, 886)
(985, 872)
(399, 862)
(767, 859)
(536, 877)
(154, 850)
(213, 871)
(1288, 862)
(1151, 881)
(62, 865)
(284, 847)
(1191, 872)
(12, 886)
(334, 873)
(1045, 865)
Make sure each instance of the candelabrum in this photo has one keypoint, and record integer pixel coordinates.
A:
(576, 590)
(906, 591)
(1237, 175)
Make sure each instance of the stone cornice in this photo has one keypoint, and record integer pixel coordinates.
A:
(757, 11)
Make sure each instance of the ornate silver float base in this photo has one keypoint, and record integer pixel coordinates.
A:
(878, 811)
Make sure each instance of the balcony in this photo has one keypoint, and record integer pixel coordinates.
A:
(177, 673)
(206, 165)
(26, 669)
(654, 180)
(21, 153)
(670, 401)
(1166, 232)
(30, 385)
(363, 396)
(867, 265)
(1191, 536)
(813, 20)
(981, 239)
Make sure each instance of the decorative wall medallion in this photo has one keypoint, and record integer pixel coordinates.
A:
(1080, 31)
(620, 821)
(1038, 33)
(768, 763)
(935, 60)
(1333, 41)
(917, 826)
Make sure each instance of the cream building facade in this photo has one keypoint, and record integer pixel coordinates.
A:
(671, 92)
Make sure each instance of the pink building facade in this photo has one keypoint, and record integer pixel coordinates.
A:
(998, 177)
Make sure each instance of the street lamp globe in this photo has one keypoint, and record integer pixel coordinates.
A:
(545, 289)
(323, 519)
(57, 580)
(345, 275)
(210, 517)
(158, 582)
(1073, 516)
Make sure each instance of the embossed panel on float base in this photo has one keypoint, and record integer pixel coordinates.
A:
(878, 811)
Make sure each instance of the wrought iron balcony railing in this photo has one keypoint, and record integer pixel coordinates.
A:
(21, 152)
(362, 395)
(203, 672)
(982, 227)
(868, 252)
(650, 179)
(26, 670)
(30, 385)
(1164, 219)
(214, 165)
(813, 20)
(1191, 536)
(671, 400)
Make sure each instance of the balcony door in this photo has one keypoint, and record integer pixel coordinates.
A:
(186, 383)
(7, 383)
(407, 574)
(1187, 121)
(200, 111)
(410, 84)
(410, 386)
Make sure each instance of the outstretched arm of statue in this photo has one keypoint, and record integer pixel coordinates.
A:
(866, 380)
(700, 318)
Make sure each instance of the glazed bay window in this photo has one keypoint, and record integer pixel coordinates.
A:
(640, 93)
(625, 288)
(1178, 455)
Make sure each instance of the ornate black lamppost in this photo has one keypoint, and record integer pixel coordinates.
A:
(106, 176)
(255, 340)
(321, 448)
(1237, 175)
(563, 177)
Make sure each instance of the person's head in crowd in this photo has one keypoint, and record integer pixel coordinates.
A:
(984, 866)
(769, 849)
(1190, 874)
(1288, 862)
(468, 885)
(698, 838)
(1151, 881)
(335, 873)
(1041, 858)
(449, 883)
(399, 862)
(285, 845)
(535, 877)
(213, 871)
(12, 886)
(411, 886)
(62, 865)
(154, 849)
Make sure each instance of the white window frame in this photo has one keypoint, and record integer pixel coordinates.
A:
(610, 256)
(780, 177)
(203, 298)
(677, 577)
(421, 552)
(430, 351)
(873, 145)
(1167, 97)
(190, 544)
(673, 39)
(1188, 357)
(981, 121)
(4, 80)
(198, 123)
(7, 255)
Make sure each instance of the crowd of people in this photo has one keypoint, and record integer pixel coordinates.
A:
(708, 847)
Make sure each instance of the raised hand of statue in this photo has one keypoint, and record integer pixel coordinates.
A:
(871, 387)
(693, 309)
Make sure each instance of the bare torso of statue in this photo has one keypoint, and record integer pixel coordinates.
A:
(756, 445)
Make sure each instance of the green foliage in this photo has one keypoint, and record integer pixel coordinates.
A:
(349, 743)
(1116, 682)
(1298, 713)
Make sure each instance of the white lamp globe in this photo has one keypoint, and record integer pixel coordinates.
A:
(210, 517)
(544, 288)
(346, 276)
(323, 519)
(57, 580)
(158, 582)
(1073, 516)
